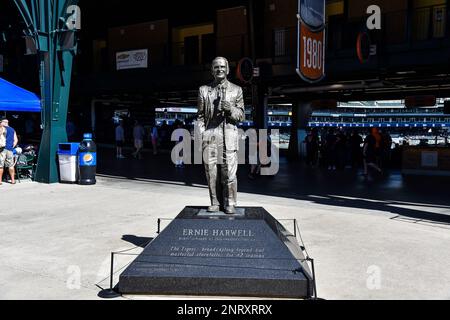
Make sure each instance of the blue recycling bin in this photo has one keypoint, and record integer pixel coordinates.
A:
(68, 162)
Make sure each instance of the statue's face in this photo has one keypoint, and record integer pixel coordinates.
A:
(220, 69)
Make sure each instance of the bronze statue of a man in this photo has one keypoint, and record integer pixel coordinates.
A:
(220, 109)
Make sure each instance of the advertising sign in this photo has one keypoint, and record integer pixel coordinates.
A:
(132, 59)
(312, 54)
(311, 40)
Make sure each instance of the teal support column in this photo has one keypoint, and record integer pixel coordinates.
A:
(55, 107)
(259, 106)
(46, 22)
(301, 114)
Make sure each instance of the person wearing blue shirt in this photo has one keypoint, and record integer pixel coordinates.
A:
(6, 154)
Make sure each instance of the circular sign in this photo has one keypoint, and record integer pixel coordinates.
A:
(245, 70)
(363, 47)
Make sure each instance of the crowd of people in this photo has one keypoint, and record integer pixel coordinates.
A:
(332, 149)
(156, 137)
(160, 138)
(327, 148)
(337, 150)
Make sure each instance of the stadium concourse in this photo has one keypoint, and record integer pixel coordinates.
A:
(376, 238)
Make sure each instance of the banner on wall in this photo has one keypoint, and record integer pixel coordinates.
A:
(132, 59)
(311, 40)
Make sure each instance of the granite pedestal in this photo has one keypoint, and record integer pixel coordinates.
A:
(247, 254)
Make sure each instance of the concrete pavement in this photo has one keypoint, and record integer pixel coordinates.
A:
(55, 240)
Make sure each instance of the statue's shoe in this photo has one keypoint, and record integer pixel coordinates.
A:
(230, 210)
(213, 209)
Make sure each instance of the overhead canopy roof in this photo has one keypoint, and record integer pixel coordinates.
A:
(14, 98)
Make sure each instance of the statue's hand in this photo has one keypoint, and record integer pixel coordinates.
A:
(226, 106)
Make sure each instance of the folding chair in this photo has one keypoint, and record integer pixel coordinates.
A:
(25, 166)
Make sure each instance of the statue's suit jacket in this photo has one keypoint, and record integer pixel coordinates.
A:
(207, 96)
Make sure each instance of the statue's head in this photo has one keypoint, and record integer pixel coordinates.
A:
(220, 68)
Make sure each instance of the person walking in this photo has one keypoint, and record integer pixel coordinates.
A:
(155, 137)
(370, 154)
(120, 140)
(6, 152)
(378, 145)
(138, 135)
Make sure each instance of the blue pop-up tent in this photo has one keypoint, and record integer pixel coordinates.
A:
(14, 98)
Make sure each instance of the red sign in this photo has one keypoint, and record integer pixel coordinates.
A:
(245, 70)
(363, 47)
(311, 55)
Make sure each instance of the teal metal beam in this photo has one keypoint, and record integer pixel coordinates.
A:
(26, 16)
(46, 23)
(34, 15)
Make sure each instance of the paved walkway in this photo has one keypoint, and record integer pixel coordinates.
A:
(382, 238)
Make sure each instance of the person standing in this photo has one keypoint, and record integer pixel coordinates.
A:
(138, 135)
(378, 145)
(120, 140)
(220, 109)
(6, 154)
(369, 154)
(154, 137)
(355, 144)
(330, 149)
(164, 135)
(341, 144)
(386, 152)
(312, 148)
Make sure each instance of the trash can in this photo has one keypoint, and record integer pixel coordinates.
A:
(68, 166)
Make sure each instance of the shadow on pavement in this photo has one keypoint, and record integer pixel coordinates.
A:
(345, 188)
(137, 241)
